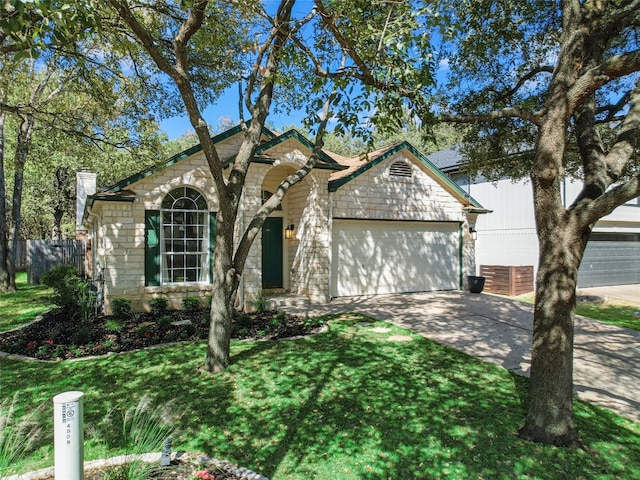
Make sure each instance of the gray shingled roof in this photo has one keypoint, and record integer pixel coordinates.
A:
(447, 160)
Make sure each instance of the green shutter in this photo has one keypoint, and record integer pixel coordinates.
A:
(152, 247)
(212, 242)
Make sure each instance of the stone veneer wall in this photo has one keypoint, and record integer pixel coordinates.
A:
(120, 226)
(306, 270)
(374, 195)
(120, 233)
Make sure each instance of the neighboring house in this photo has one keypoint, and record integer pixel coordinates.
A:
(384, 222)
(508, 236)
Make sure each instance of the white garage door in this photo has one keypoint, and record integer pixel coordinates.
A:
(374, 257)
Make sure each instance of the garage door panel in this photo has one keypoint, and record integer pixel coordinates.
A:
(610, 259)
(393, 257)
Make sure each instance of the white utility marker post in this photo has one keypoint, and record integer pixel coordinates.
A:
(68, 436)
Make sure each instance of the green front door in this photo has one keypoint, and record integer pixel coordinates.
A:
(272, 253)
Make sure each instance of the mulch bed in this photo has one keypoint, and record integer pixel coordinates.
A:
(59, 335)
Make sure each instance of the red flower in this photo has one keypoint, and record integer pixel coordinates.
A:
(205, 475)
(49, 342)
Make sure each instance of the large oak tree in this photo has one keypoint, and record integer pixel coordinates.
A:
(283, 53)
(557, 82)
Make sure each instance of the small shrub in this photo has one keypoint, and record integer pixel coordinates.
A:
(278, 322)
(245, 321)
(121, 307)
(143, 328)
(140, 429)
(164, 322)
(113, 325)
(190, 304)
(82, 335)
(65, 282)
(313, 322)
(159, 305)
(86, 300)
(261, 303)
(190, 329)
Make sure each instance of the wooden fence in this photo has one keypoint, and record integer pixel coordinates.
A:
(507, 280)
(21, 256)
(43, 255)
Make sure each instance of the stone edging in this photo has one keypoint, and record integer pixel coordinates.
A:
(241, 472)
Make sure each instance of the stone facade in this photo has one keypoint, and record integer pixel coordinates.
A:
(117, 227)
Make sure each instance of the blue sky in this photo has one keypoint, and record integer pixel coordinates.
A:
(225, 107)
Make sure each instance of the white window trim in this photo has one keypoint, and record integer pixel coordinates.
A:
(204, 266)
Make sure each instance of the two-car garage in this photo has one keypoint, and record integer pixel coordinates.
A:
(378, 257)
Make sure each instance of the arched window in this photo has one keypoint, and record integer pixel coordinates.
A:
(185, 237)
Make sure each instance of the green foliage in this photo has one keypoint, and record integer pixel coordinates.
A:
(352, 398)
(141, 429)
(158, 305)
(113, 325)
(261, 303)
(165, 321)
(33, 26)
(67, 284)
(191, 304)
(121, 307)
(83, 335)
(18, 434)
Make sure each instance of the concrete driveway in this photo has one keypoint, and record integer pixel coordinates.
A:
(498, 330)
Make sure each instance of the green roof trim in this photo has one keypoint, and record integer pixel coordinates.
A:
(293, 133)
(180, 156)
(335, 184)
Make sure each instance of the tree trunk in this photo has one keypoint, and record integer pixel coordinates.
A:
(225, 285)
(5, 278)
(550, 413)
(22, 153)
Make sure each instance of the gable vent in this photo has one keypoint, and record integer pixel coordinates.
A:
(400, 169)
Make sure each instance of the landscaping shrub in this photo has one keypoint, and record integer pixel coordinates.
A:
(18, 435)
(261, 303)
(191, 304)
(165, 321)
(159, 305)
(121, 307)
(65, 280)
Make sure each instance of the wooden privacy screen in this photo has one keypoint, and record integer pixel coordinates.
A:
(507, 280)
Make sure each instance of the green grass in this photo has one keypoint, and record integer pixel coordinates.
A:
(610, 312)
(23, 306)
(347, 404)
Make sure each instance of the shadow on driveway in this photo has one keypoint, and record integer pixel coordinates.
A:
(499, 330)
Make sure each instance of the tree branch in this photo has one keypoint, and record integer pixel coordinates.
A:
(590, 211)
(528, 76)
(509, 112)
(594, 78)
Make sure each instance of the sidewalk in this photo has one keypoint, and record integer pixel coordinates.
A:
(628, 294)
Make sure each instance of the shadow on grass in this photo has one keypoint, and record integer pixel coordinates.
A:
(364, 401)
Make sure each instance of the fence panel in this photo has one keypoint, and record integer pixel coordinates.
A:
(43, 255)
(21, 256)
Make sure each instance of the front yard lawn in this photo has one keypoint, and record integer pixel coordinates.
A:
(23, 306)
(622, 315)
(365, 400)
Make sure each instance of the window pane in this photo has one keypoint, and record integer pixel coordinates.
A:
(185, 236)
